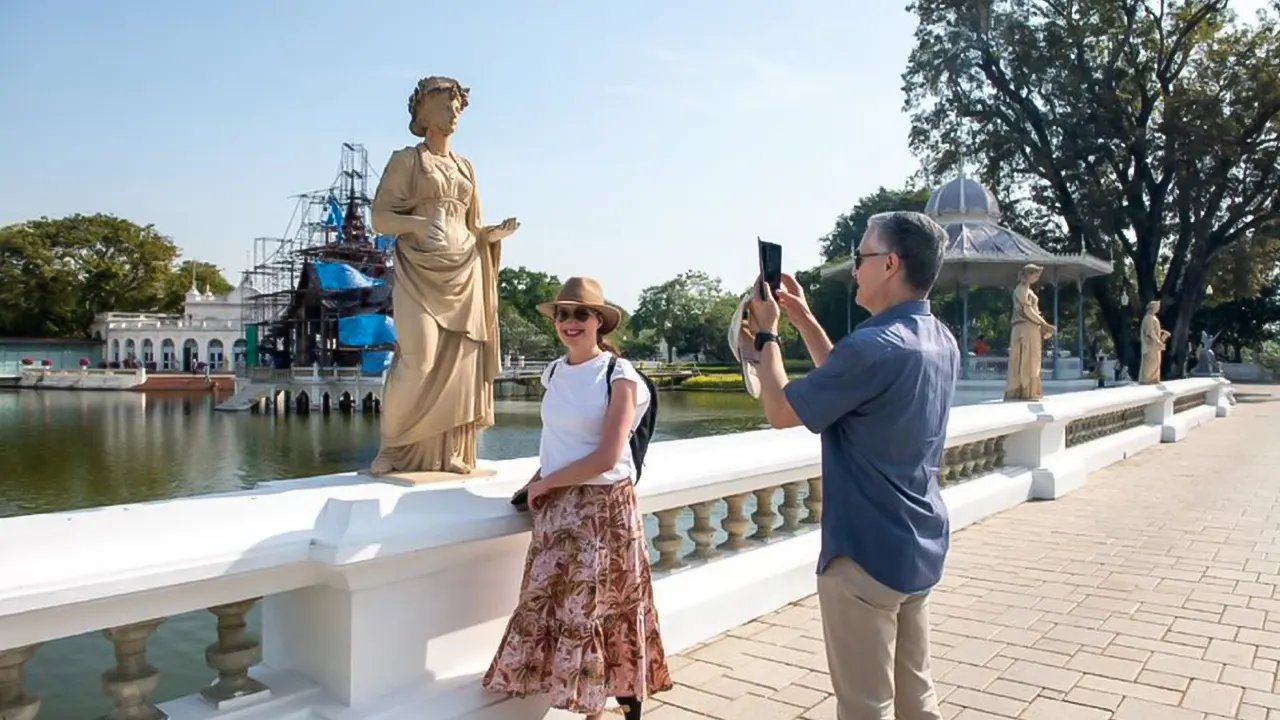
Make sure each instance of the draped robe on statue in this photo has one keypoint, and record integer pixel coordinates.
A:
(439, 390)
(1026, 346)
(1153, 339)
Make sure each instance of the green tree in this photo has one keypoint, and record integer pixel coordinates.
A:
(525, 338)
(1242, 323)
(850, 227)
(56, 274)
(678, 310)
(641, 345)
(525, 289)
(1147, 128)
(520, 291)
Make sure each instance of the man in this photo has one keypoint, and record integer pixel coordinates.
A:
(880, 399)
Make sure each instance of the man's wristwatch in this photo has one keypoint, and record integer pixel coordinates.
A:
(764, 337)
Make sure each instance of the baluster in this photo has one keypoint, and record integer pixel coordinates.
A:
(703, 532)
(735, 522)
(813, 502)
(232, 655)
(972, 459)
(15, 703)
(764, 517)
(947, 469)
(668, 541)
(133, 678)
(791, 507)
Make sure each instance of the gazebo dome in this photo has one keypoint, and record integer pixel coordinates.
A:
(963, 199)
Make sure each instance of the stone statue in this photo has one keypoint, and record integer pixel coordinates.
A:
(1026, 339)
(1153, 340)
(439, 390)
(1208, 364)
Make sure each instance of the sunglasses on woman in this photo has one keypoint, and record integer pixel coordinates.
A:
(580, 314)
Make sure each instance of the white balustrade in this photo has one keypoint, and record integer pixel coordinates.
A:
(387, 601)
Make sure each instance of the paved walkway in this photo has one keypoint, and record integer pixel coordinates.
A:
(1149, 593)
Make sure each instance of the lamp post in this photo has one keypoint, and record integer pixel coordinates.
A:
(1208, 311)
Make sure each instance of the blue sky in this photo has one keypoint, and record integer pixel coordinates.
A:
(633, 141)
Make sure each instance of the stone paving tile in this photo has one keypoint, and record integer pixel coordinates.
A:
(1152, 592)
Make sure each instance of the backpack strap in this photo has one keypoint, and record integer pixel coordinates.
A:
(608, 378)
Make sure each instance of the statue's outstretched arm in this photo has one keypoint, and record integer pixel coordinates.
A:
(485, 233)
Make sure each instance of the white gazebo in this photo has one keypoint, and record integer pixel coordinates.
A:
(982, 253)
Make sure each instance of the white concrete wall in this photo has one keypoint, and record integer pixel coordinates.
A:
(387, 602)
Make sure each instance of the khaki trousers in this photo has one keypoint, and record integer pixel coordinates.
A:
(877, 646)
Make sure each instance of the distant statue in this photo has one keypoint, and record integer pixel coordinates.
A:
(1026, 339)
(1208, 364)
(1153, 340)
(439, 390)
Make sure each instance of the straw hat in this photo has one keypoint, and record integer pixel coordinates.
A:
(584, 292)
(742, 345)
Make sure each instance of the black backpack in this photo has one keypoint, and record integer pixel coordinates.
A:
(643, 433)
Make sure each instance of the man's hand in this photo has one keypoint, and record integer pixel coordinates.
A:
(764, 310)
(791, 296)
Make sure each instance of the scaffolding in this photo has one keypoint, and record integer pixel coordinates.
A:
(292, 320)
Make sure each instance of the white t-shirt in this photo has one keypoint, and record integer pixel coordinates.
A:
(573, 411)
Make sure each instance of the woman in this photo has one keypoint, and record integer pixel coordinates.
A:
(585, 628)
(1026, 340)
(439, 392)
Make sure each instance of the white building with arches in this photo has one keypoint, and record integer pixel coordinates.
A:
(210, 330)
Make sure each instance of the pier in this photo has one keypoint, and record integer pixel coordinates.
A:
(1151, 535)
(315, 388)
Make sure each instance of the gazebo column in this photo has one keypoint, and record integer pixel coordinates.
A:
(964, 325)
(1080, 323)
(1056, 334)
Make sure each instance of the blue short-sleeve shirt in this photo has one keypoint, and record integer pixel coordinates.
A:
(881, 402)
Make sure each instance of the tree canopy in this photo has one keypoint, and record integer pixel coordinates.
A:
(851, 226)
(56, 274)
(1144, 129)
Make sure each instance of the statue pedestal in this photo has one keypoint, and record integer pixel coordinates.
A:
(414, 479)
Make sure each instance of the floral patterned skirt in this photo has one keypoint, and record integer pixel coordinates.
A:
(585, 628)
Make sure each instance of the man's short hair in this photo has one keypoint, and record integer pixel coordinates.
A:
(917, 240)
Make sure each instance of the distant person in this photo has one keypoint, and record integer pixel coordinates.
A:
(980, 347)
(880, 398)
(585, 628)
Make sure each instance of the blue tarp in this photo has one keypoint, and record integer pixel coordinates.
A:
(366, 330)
(336, 276)
(334, 219)
(375, 362)
(384, 242)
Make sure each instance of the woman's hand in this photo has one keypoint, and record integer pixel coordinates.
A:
(537, 489)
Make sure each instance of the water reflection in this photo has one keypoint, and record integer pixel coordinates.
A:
(69, 450)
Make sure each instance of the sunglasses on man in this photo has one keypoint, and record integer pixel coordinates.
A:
(859, 257)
